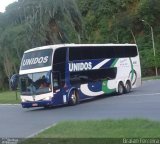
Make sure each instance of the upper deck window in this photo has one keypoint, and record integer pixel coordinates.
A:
(37, 59)
(101, 52)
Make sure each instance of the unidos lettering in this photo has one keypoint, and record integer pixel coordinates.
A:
(73, 67)
(34, 61)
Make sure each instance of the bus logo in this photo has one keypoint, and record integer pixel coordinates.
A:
(73, 67)
(34, 61)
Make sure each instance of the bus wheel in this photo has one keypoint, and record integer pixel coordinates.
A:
(73, 97)
(127, 87)
(120, 88)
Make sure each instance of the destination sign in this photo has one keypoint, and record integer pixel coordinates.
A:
(36, 59)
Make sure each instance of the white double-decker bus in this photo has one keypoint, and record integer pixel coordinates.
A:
(69, 73)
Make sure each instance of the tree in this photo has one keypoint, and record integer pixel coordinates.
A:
(46, 19)
(28, 23)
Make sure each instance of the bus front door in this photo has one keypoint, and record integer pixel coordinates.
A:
(57, 89)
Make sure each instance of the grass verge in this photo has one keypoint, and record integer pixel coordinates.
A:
(98, 132)
(103, 129)
(9, 97)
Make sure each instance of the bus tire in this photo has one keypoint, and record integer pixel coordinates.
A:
(128, 87)
(73, 98)
(120, 88)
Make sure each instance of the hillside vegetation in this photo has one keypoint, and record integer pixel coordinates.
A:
(31, 23)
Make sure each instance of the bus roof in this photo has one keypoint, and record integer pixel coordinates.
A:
(74, 45)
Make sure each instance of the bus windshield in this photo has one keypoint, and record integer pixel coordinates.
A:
(35, 83)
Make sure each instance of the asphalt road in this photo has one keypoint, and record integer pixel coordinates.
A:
(143, 102)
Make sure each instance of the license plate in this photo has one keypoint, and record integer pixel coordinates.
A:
(35, 104)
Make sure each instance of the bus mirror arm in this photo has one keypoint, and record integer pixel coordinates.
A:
(14, 82)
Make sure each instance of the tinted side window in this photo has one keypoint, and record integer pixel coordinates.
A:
(102, 52)
(125, 51)
(92, 75)
(59, 61)
(81, 53)
(60, 55)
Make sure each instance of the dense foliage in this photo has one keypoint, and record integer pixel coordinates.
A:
(117, 21)
(31, 23)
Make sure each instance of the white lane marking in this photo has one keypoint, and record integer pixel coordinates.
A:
(36, 133)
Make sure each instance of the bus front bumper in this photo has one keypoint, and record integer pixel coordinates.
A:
(36, 104)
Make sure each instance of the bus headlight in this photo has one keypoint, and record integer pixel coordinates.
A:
(48, 98)
(23, 100)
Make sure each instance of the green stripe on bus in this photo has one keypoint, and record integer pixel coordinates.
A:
(105, 87)
(132, 69)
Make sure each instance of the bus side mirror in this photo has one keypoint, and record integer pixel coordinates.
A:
(14, 82)
(48, 77)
